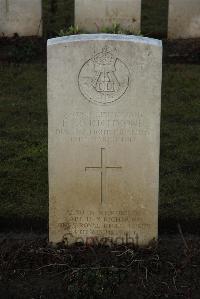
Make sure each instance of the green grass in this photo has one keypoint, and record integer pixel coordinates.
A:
(180, 143)
(57, 15)
(23, 168)
(154, 18)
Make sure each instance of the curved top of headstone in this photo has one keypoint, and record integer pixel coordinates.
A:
(104, 36)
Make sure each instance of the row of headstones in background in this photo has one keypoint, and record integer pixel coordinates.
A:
(104, 102)
(92, 15)
(24, 17)
(183, 19)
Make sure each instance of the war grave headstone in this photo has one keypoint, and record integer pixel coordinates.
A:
(95, 15)
(184, 19)
(104, 101)
(22, 17)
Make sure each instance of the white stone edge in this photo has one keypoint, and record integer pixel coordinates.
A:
(103, 36)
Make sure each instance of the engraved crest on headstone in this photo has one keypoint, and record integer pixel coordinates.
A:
(104, 78)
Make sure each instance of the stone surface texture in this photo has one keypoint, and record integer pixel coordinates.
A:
(23, 17)
(93, 15)
(104, 102)
(184, 19)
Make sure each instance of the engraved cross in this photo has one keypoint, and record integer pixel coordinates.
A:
(103, 171)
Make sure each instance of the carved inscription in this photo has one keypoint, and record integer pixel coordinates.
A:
(104, 78)
(106, 127)
(111, 224)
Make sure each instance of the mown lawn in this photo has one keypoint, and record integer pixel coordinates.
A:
(180, 145)
(57, 15)
(154, 18)
(23, 168)
(23, 122)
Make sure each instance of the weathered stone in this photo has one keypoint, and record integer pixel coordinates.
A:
(23, 17)
(94, 15)
(104, 94)
(184, 19)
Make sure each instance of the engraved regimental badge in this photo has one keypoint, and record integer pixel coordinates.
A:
(104, 78)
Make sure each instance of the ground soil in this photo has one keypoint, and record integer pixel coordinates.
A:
(34, 269)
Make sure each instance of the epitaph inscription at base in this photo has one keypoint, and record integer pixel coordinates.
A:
(104, 95)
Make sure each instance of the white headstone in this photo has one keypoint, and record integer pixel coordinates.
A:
(184, 19)
(104, 98)
(94, 15)
(23, 17)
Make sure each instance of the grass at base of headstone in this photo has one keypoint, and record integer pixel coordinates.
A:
(23, 165)
(33, 269)
(114, 29)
